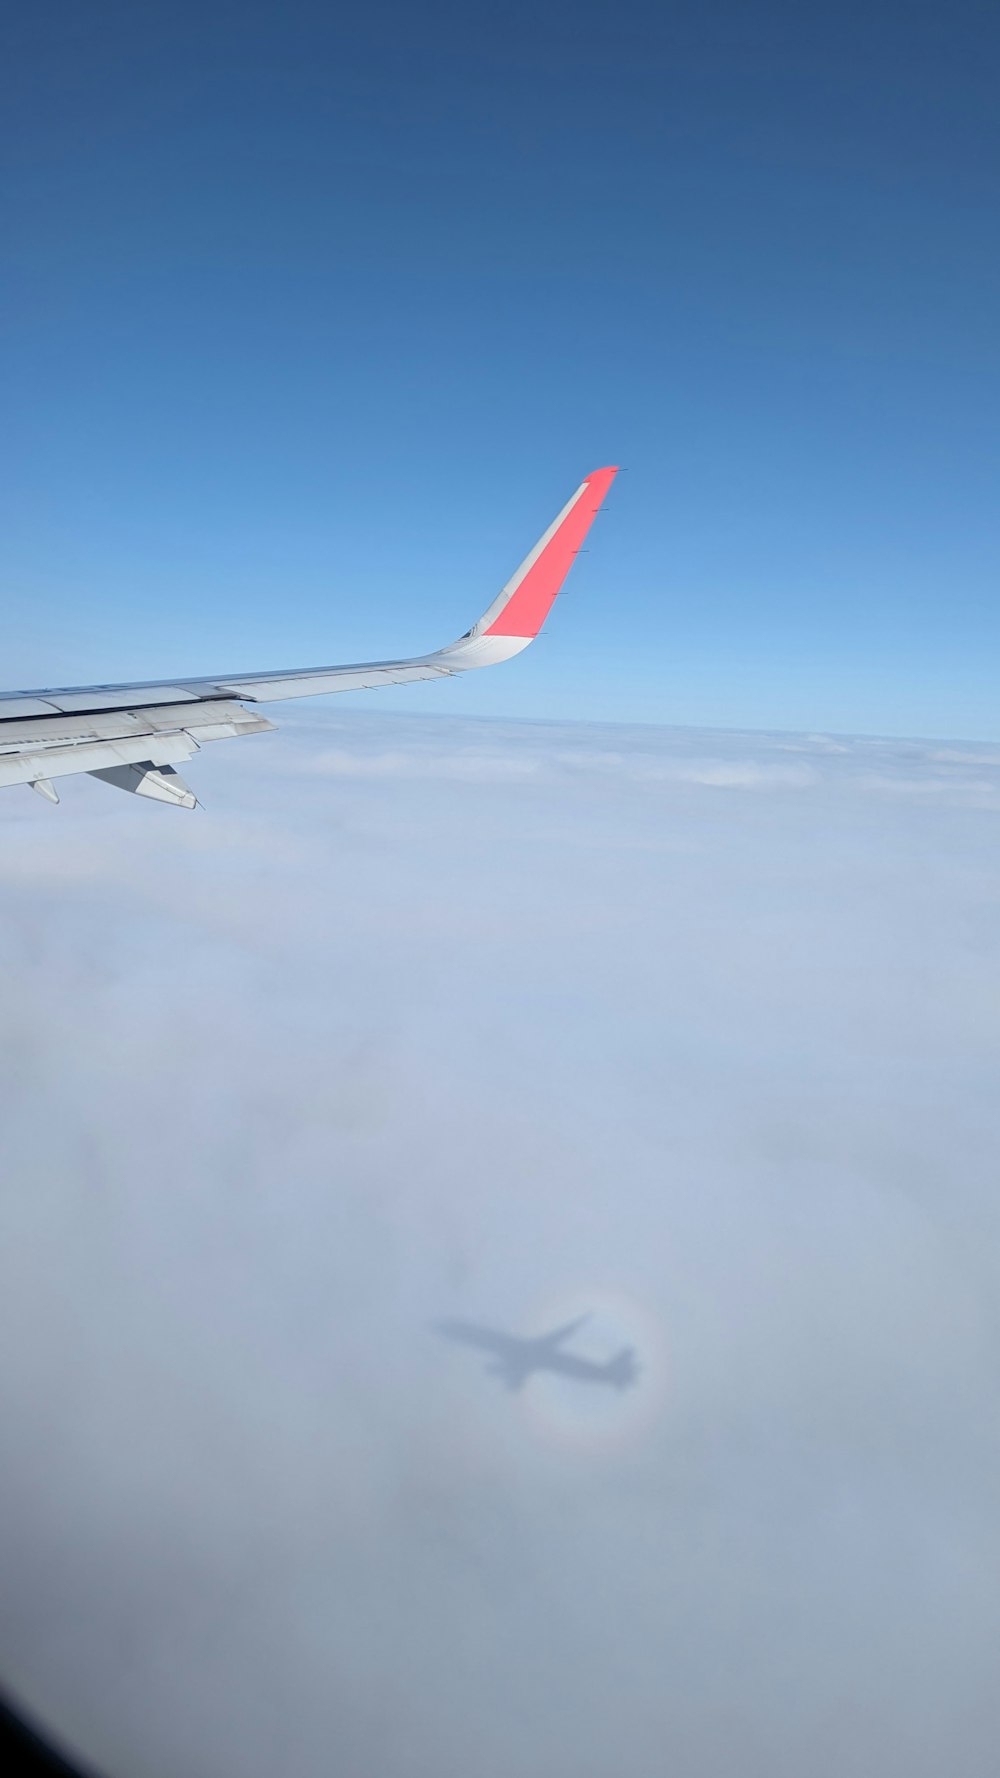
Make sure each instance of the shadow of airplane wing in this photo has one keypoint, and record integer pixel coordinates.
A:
(559, 1334)
(487, 1339)
(514, 1359)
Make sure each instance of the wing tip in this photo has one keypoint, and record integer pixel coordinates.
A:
(529, 597)
(599, 480)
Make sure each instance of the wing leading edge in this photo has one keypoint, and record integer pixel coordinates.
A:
(134, 735)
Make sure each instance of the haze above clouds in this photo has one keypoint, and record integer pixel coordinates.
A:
(429, 1017)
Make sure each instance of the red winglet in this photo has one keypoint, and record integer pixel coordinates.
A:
(530, 603)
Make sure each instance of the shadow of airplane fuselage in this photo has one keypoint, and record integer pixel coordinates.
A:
(515, 1359)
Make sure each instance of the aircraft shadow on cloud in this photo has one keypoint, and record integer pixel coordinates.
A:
(516, 1359)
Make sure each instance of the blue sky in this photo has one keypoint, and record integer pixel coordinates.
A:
(314, 318)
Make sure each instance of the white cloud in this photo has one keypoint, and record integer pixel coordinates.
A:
(426, 1018)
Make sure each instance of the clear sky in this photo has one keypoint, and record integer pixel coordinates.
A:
(314, 317)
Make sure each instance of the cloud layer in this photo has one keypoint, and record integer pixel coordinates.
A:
(428, 1018)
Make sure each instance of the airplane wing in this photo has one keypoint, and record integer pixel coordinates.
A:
(133, 736)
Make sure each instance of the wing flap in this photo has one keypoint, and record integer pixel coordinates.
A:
(213, 720)
(96, 756)
(56, 746)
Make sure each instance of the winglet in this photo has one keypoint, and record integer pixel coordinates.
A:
(525, 602)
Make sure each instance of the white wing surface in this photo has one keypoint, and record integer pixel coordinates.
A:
(134, 736)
